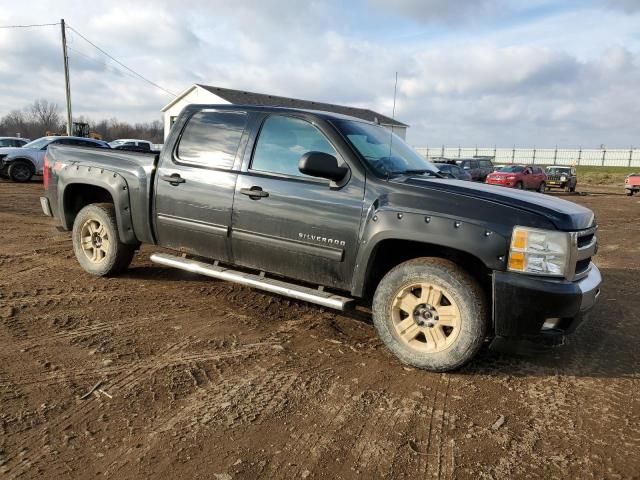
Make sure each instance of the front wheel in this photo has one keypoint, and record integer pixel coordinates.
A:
(542, 188)
(96, 243)
(519, 186)
(431, 314)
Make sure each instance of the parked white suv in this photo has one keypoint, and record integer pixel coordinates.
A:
(13, 142)
(131, 142)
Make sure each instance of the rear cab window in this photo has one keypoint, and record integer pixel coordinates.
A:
(211, 139)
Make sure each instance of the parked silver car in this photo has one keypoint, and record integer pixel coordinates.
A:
(13, 142)
(22, 163)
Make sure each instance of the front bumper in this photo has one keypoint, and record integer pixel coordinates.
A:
(46, 207)
(535, 312)
(501, 183)
(556, 184)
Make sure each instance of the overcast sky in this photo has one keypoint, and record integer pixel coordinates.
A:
(470, 72)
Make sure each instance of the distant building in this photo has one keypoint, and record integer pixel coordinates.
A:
(214, 95)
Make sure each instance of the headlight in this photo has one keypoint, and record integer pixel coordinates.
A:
(563, 178)
(540, 252)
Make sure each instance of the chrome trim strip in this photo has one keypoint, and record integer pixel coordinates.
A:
(307, 294)
(204, 227)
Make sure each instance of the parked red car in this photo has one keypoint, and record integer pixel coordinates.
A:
(632, 184)
(519, 176)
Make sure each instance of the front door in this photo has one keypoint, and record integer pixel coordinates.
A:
(291, 224)
(195, 184)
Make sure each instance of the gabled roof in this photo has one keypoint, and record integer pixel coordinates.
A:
(241, 97)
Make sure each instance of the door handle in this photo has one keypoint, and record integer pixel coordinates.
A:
(254, 193)
(173, 179)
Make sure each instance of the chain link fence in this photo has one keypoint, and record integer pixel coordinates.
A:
(615, 157)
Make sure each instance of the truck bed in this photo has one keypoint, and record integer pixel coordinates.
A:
(133, 170)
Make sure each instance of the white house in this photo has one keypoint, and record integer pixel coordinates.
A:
(215, 95)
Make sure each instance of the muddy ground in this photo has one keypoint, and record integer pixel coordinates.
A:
(205, 379)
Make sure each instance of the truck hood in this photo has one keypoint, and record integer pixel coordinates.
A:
(567, 216)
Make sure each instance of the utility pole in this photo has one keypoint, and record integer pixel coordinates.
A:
(66, 77)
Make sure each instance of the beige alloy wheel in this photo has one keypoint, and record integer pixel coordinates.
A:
(95, 240)
(425, 317)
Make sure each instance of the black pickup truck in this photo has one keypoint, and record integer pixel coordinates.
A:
(334, 210)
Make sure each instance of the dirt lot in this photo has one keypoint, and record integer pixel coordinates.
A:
(205, 379)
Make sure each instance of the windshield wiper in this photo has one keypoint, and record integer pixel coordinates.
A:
(418, 172)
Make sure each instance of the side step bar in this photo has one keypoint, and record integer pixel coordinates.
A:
(320, 297)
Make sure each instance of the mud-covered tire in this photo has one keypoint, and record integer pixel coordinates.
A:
(20, 171)
(458, 289)
(96, 242)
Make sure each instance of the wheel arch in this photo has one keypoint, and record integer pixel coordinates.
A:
(392, 238)
(29, 161)
(390, 252)
(76, 194)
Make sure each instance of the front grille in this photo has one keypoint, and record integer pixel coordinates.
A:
(584, 240)
(584, 245)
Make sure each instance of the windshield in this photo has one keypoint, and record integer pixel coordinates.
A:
(553, 170)
(385, 156)
(39, 143)
(512, 169)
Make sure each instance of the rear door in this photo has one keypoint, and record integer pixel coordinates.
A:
(195, 183)
(291, 224)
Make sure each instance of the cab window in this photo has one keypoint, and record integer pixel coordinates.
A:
(283, 140)
(211, 139)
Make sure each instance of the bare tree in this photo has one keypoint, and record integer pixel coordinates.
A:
(14, 123)
(46, 115)
(43, 116)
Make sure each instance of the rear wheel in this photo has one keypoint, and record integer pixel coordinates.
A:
(96, 243)
(20, 171)
(430, 313)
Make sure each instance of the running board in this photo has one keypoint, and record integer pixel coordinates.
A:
(320, 297)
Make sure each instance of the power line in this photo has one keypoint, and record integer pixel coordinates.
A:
(98, 62)
(29, 26)
(120, 63)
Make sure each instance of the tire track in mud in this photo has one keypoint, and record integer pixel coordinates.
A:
(252, 397)
(311, 443)
(125, 380)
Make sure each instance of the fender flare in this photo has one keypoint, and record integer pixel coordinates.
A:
(114, 183)
(487, 245)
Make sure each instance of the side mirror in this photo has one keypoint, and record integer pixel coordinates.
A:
(323, 165)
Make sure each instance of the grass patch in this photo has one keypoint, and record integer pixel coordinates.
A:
(604, 175)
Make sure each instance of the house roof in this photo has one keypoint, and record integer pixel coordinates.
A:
(241, 97)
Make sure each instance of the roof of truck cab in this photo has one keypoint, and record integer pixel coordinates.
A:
(267, 108)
